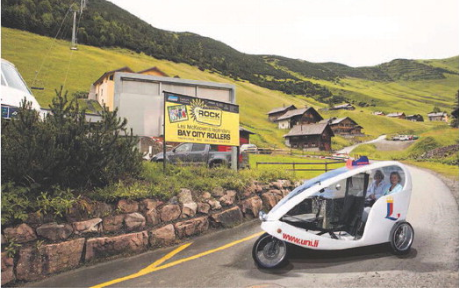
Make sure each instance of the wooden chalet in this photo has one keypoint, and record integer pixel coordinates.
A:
(415, 118)
(277, 112)
(345, 106)
(345, 127)
(298, 117)
(378, 113)
(244, 135)
(313, 137)
(399, 115)
(438, 116)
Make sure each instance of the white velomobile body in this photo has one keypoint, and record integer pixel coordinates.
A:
(325, 213)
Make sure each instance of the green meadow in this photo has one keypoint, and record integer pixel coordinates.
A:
(49, 63)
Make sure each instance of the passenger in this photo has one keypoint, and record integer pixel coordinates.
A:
(394, 185)
(374, 191)
(376, 188)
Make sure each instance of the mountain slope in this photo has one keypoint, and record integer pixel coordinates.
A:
(77, 70)
(103, 24)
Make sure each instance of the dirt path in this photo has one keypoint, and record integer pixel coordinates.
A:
(385, 145)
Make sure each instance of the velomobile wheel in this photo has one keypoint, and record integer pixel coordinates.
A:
(401, 238)
(269, 252)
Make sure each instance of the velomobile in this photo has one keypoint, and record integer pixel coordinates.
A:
(332, 212)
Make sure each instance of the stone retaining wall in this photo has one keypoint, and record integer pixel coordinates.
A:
(94, 231)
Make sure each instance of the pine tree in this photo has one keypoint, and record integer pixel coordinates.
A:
(65, 150)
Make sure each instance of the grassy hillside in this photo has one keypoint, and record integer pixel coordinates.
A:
(57, 65)
(79, 69)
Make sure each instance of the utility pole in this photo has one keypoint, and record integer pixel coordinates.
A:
(73, 47)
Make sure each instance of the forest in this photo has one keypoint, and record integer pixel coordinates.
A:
(103, 24)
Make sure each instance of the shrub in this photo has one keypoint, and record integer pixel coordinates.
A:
(65, 150)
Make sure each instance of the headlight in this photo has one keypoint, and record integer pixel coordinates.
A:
(263, 216)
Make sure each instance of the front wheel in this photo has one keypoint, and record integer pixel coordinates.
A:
(401, 238)
(269, 252)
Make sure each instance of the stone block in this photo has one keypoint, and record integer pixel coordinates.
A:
(191, 227)
(22, 233)
(7, 269)
(113, 223)
(229, 198)
(228, 218)
(189, 209)
(170, 212)
(152, 216)
(163, 236)
(203, 208)
(134, 221)
(252, 206)
(55, 232)
(109, 246)
(148, 204)
(88, 226)
(35, 263)
(127, 206)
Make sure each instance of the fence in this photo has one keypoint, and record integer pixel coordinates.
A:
(272, 151)
(295, 164)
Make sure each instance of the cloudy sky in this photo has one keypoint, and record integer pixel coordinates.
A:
(351, 32)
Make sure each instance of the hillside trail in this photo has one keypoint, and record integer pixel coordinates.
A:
(381, 144)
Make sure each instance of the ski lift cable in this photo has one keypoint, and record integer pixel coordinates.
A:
(68, 69)
(71, 52)
(51, 46)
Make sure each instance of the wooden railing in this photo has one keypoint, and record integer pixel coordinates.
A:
(296, 164)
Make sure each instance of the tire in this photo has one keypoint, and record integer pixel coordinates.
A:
(269, 252)
(401, 238)
(216, 164)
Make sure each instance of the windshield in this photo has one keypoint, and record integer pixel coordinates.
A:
(12, 78)
(308, 184)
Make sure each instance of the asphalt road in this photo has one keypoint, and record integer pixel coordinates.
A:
(223, 258)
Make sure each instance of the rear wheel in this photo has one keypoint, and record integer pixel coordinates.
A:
(401, 238)
(269, 252)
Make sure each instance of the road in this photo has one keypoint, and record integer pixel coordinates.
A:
(223, 258)
(350, 148)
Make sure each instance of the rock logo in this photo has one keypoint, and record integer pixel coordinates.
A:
(201, 113)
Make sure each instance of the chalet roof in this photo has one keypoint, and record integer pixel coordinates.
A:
(281, 109)
(297, 112)
(395, 114)
(242, 129)
(342, 106)
(122, 69)
(156, 69)
(378, 113)
(335, 121)
(308, 129)
(437, 114)
(291, 113)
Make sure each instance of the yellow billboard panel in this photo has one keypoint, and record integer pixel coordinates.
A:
(196, 120)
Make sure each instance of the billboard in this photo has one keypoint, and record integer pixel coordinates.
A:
(197, 120)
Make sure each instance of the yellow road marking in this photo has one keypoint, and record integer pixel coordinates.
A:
(145, 270)
(155, 266)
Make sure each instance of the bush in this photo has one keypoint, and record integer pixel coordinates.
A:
(64, 150)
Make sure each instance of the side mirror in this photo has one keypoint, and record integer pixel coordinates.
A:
(338, 187)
